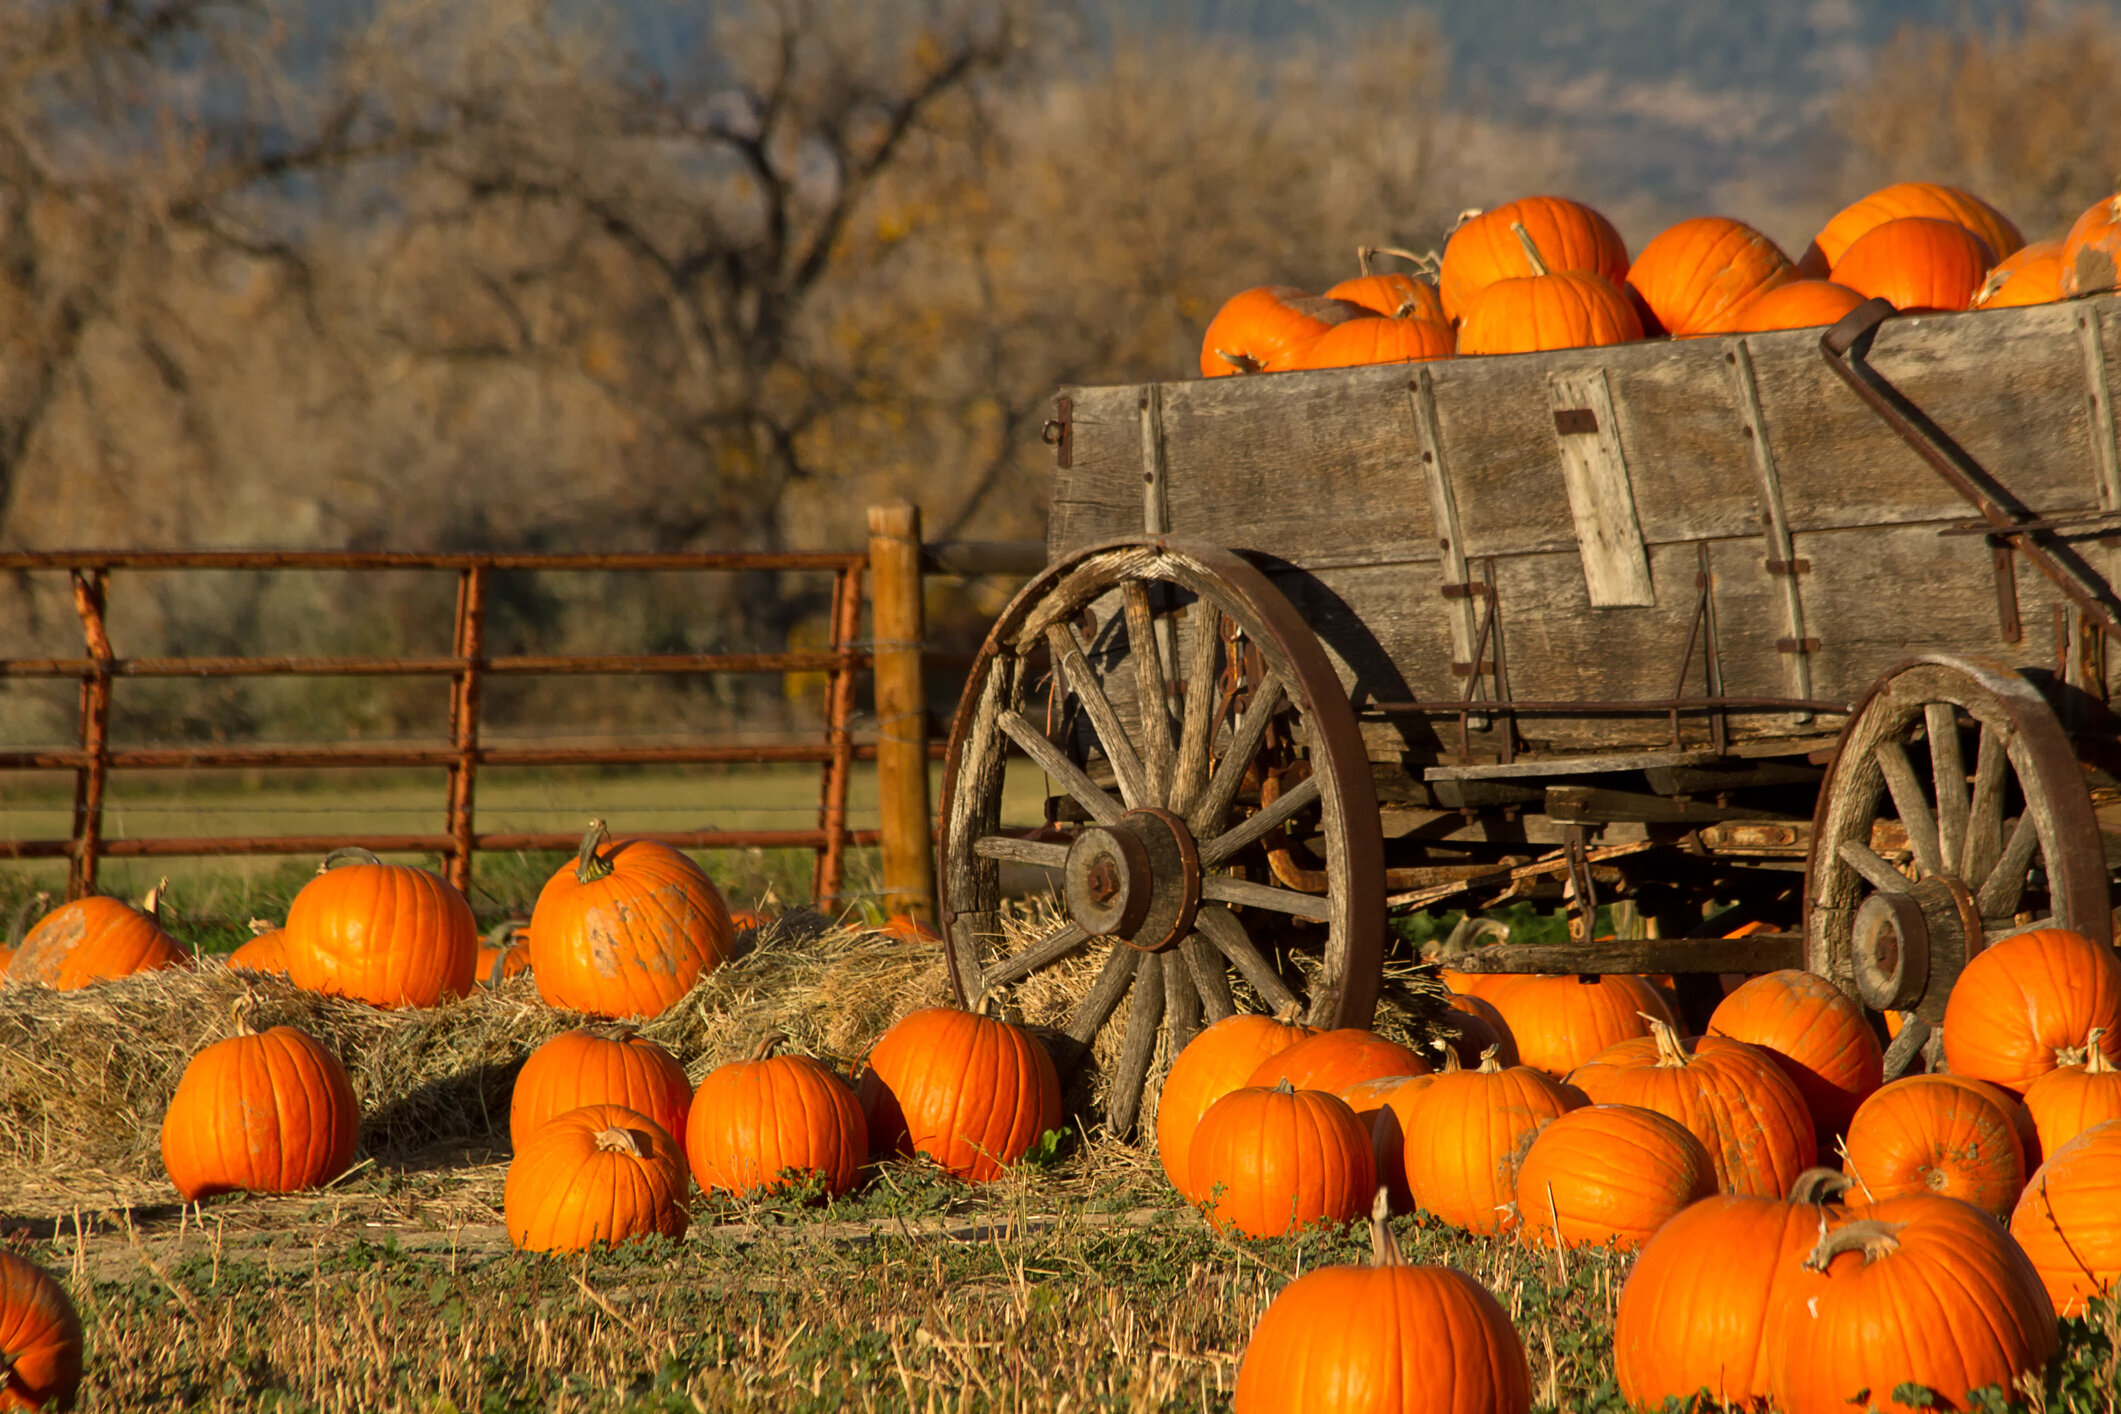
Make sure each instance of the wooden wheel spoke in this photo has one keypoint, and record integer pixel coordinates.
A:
(1224, 889)
(1082, 679)
(2000, 892)
(1097, 1005)
(1197, 736)
(1207, 814)
(1181, 1001)
(1914, 1033)
(1221, 928)
(1209, 977)
(1044, 853)
(1304, 793)
(1152, 712)
(1948, 773)
(1911, 805)
(1866, 861)
(1145, 1014)
(1065, 773)
(1984, 823)
(1047, 950)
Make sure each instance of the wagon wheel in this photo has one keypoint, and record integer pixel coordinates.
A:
(1918, 863)
(1240, 688)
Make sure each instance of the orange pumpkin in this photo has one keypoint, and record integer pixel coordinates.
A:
(2084, 1090)
(608, 1067)
(1360, 342)
(1733, 1097)
(1547, 309)
(384, 934)
(1695, 1307)
(260, 1113)
(2091, 252)
(1917, 263)
(1919, 1290)
(1560, 1022)
(1908, 199)
(625, 930)
(1271, 1162)
(504, 954)
(1468, 1134)
(746, 920)
(972, 1093)
(1609, 1176)
(1569, 236)
(1800, 304)
(1334, 1060)
(266, 951)
(1473, 1028)
(1383, 1106)
(2031, 275)
(1692, 275)
(756, 1121)
(1395, 295)
(94, 938)
(1386, 1337)
(1928, 1134)
(2020, 1005)
(2069, 1220)
(1266, 329)
(1820, 1038)
(40, 1338)
(599, 1174)
(1213, 1064)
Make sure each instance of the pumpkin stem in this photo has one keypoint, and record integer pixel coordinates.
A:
(1384, 1247)
(259, 927)
(619, 1031)
(1819, 1185)
(1291, 1015)
(771, 1042)
(503, 933)
(1242, 362)
(1283, 1087)
(1451, 1065)
(621, 1141)
(2087, 1055)
(1488, 1064)
(1531, 250)
(152, 904)
(1992, 282)
(1424, 262)
(1873, 1238)
(352, 854)
(18, 926)
(588, 865)
(240, 1013)
(1464, 216)
(1671, 1051)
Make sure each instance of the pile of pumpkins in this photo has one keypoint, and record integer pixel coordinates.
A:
(1547, 272)
(1805, 1230)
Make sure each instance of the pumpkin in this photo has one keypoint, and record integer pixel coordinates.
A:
(1395, 295)
(266, 951)
(1927, 1134)
(1382, 1106)
(625, 931)
(1731, 1096)
(1917, 1290)
(94, 938)
(40, 1338)
(1467, 1135)
(1272, 1162)
(2031, 275)
(1692, 275)
(1694, 1310)
(1560, 1022)
(1334, 1060)
(1547, 309)
(1385, 1337)
(612, 1066)
(2020, 1005)
(1821, 1039)
(1907, 199)
(504, 954)
(755, 1121)
(2091, 252)
(1265, 329)
(1609, 1176)
(748, 920)
(1800, 304)
(2069, 1220)
(1472, 1028)
(1916, 262)
(1214, 1063)
(1487, 247)
(972, 1093)
(385, 934)
(2084, 1090)
(1360, 342)
(260, 1113)
(599, 1174)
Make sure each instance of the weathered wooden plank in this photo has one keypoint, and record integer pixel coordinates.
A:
(1570, 765)
(1780, 557)
(1616, 572)
(1756, 952)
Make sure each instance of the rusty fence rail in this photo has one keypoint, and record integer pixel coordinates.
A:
(468, 666)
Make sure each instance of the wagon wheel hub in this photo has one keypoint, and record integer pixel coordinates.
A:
(1137, 881)
(1907, 945)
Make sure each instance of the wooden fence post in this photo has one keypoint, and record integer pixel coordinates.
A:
(905, 820)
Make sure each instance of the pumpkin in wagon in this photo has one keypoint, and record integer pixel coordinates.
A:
(260, 1112)
(1488, 246)
(95, 938)
(386, 934)
(971, 1092)
(1394, 294)
(1903, 199)
(2091, 252)
(40, 1338)
(2030, 275)
(1547, 309)
(1917, 263)
(1692, 275)
(1269, 328)
(1800, 304)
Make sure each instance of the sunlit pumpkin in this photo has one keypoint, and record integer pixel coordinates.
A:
(1334, 1060)
(1394, 294)
(2091, 252)
(40, 1338)
(2069, 1220)
(1559, 1022)
(1931, 199)
(1821, 1039)
(1929, 1134)
(386, 934)
(269, 1112)
(1271, 1162)
(1547, 309)
(757, 1121)
(95, 938)
(1916, 263)
(1800, 304)
(1692, 275)
(1213, 1064)
(266, 951)
(1359, 342)
(1467, 1135)
(1486, 247)
(971, 1092)
(2084, 1090)
(2032, 275)
(602, 1174)
(1383, 1107)
(1609, 1175)
(2023, 1003)
(613, 1066)
(1267, 329)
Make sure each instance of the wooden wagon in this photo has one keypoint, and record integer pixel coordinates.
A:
(1797, 641)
